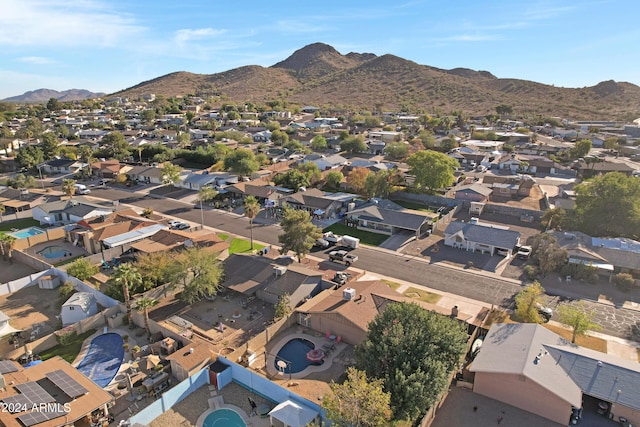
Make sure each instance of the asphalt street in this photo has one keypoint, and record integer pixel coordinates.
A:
(616, 321)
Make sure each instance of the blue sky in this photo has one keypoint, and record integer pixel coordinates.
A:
(108, 45)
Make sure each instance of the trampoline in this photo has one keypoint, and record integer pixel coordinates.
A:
(103, 359)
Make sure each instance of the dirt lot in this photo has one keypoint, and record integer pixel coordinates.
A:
(29, 307)
(13, 271)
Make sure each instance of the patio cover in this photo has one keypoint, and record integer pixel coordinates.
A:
(133, 235)
(293, 414)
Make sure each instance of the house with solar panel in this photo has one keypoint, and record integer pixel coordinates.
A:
(48, 394)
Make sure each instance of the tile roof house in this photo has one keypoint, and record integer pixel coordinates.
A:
(107, 168)
(145, 174)
(485, 238)
(532, 368)
(167, 240)
(506, 187)
(315, 202)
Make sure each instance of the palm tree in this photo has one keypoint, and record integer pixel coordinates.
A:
(128, 277)
(69, 187)
(2, 210)
(251, 209)
(206, 194)
(143, 305)
(6, 244)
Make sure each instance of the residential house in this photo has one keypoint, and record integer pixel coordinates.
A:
(198, 180)
(315, 202)
(145, 174)
(372, 165)
(528, 366)
(468, 157)
(325, 162)
(386, 217)
(260, 277)
(107, 169)
(593, 168)
(507, 187)
(385, 136)
(70, 396)
(485, 238)
(266, 195)
(79, 306)
(348, 310)
(18, 200)
(68, 211)
(168, 240)
(474, 192)
(67, 166)
(483, 146)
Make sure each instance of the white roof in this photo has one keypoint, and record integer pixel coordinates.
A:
(134, 235)
(293, 413)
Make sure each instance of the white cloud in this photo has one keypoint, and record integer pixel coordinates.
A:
(36, 60)
(187, 35)
(63, 23)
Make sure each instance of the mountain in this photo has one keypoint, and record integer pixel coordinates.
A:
(44, 95)
(319, 75)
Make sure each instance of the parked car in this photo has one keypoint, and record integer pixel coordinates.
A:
(180, 226)
(341, 277)
(544, 311)
(524, 252)
(343, 256)
(322, 243)
(173, 222)
(333, 239)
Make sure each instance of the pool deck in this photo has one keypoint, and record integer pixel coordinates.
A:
(317, 342)
(75, 251)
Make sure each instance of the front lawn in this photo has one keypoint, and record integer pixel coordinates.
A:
(70, 351)
(422, 295)
(240, 246)
(366, 237)
(597, 344)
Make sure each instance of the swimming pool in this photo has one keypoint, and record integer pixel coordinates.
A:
(51, 252)
(103, 359)
(294, 355)
(224, 417)
(27, 232)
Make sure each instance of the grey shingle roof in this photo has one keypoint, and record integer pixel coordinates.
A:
(400, 219)
(484, 234)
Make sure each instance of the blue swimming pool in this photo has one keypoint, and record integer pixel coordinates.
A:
(103, 359)
(51, 252)
(27, 232)
(224, 418)
(294, 355)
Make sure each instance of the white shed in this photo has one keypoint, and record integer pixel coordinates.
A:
(78, 307)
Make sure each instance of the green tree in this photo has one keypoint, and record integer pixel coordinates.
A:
(127, 277)
(319, 142)
(53, 104)
(608, 205)
(82, 269)
(30, 156)
(251, 210)
(7, 243)
(49, 145)
(547, 253)
(170, 173)
(377, 184)
(148, 116)
(117, 145)
(205, 273)
(526, 303)
(279, 137)
(206, 195)
(143, 305)
(312, 171)
(69, 187)
(293, 179)
(333, 180)
(282, 307)
(353, 144)
(412, 350)
(396, 150)
(432, 170)
(20, 181)
(241, 161)
(578, 318)
(299, 233)
(553, 219)
(158, 268)
(504, 109)
(357, 402)
(581, 148)
(147, 212)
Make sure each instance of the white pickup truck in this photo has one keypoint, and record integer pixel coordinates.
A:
(343, 256)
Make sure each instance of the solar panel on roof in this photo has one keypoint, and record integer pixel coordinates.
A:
(35, 417)
(7, 366)
(34, 392)
(68, 385)
(16, 403)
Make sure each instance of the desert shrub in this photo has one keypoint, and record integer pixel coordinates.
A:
(531, 271)
(624, 281)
